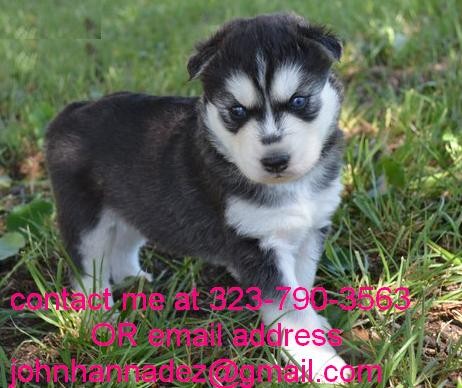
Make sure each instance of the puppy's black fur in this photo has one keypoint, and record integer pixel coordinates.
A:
(150, 159)
(187, 175)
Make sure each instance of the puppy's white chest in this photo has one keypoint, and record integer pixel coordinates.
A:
(287, 223)
(258, 221)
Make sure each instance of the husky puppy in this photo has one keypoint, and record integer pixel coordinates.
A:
(247, 176)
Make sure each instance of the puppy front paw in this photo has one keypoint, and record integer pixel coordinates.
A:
(331, 372)
(322, 365)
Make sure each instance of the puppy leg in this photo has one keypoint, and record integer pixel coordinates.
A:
(95, 250)
(307, 257)
(124, 260)
(306, 263)
(277, 267)
(84, 226)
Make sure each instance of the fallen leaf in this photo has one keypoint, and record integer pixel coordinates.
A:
(29, 216)
(10, 244)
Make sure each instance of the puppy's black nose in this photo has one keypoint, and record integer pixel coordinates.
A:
(275, 163)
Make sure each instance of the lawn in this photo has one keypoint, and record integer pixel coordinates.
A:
(399, 223)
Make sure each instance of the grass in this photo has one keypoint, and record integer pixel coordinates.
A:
(400, 220)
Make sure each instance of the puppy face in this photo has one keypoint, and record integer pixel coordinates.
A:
(268, 104)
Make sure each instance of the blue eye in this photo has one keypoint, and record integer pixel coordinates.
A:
(238, 112)
(298, 102)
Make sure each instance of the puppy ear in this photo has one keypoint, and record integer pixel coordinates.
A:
(205, 51)
(324, 38)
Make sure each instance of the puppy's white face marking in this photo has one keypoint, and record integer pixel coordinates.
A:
(239, 148)
(305, 140)
(286, 81)
(297, 136)
(243, 89)
(269, 127)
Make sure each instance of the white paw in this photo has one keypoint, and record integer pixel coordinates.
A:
(332, 375)
(316, 360)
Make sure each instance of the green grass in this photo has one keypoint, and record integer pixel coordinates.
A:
(400, 220)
